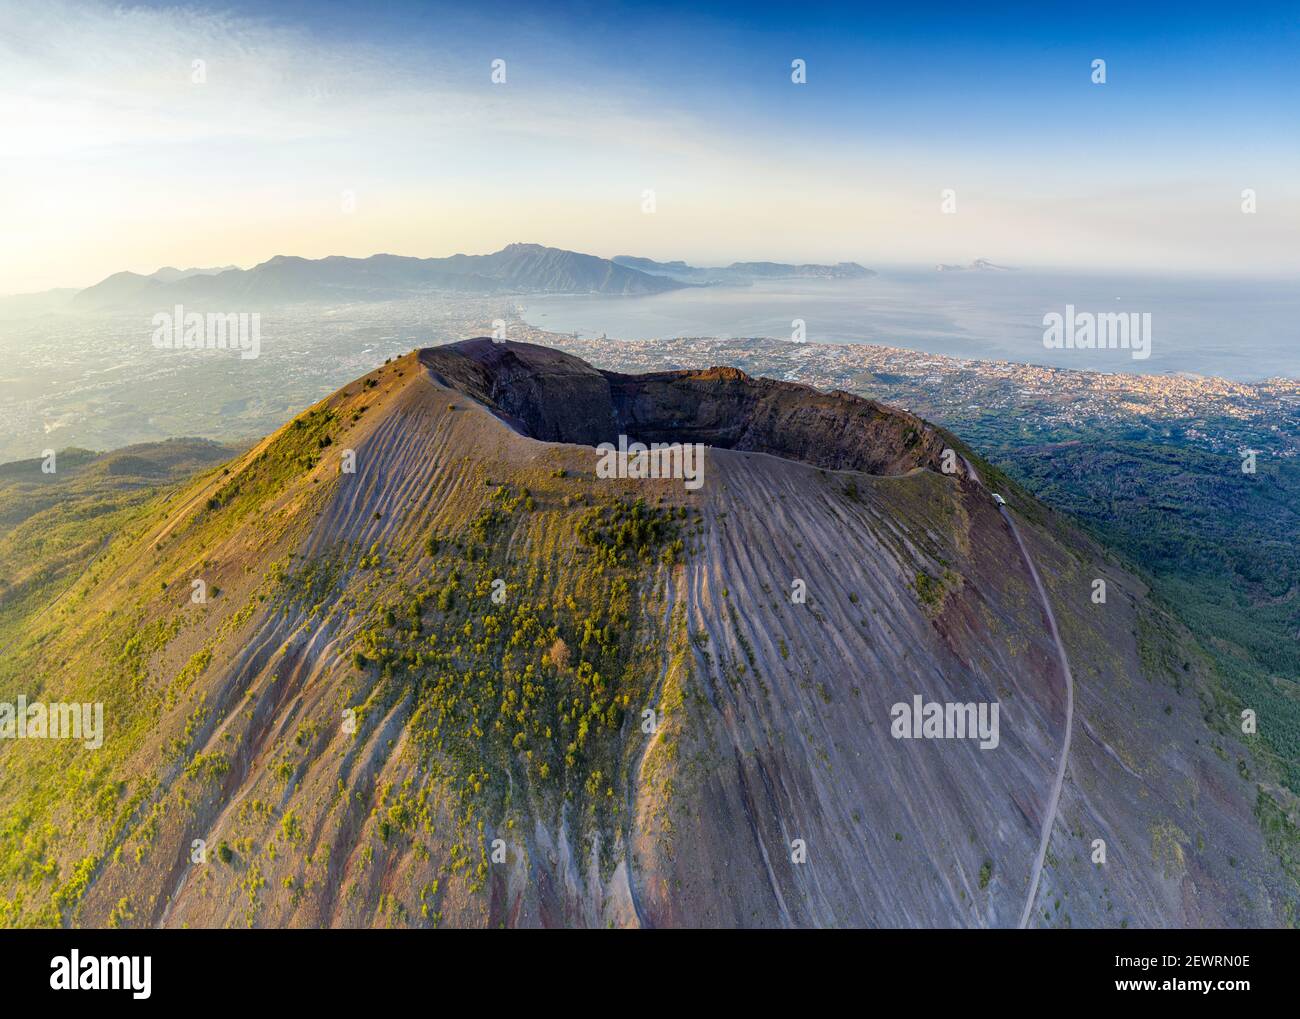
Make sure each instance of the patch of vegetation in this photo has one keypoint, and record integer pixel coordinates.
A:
(295, 450)
(1282, 837)
(621, 530)
(526, 700)
(934, 591)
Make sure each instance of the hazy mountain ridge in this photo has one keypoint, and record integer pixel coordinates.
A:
(170, 274)
(744, 272)
(517, 268)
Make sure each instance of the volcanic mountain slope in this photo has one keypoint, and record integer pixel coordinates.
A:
(439, 672)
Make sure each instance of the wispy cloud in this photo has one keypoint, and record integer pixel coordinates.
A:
(78, 75)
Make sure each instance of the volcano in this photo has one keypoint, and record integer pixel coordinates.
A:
(411, 661)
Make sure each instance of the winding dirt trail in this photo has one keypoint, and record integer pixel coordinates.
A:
(1049, 817)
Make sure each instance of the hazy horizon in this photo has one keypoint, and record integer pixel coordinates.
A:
(1225, 273)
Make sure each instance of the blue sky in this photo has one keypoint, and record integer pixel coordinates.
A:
(118, 160)
(1018, 62)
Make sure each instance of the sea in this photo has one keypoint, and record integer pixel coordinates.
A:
(1237, 328)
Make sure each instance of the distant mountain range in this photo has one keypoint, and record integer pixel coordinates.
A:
(517, 268)
(743, 272)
